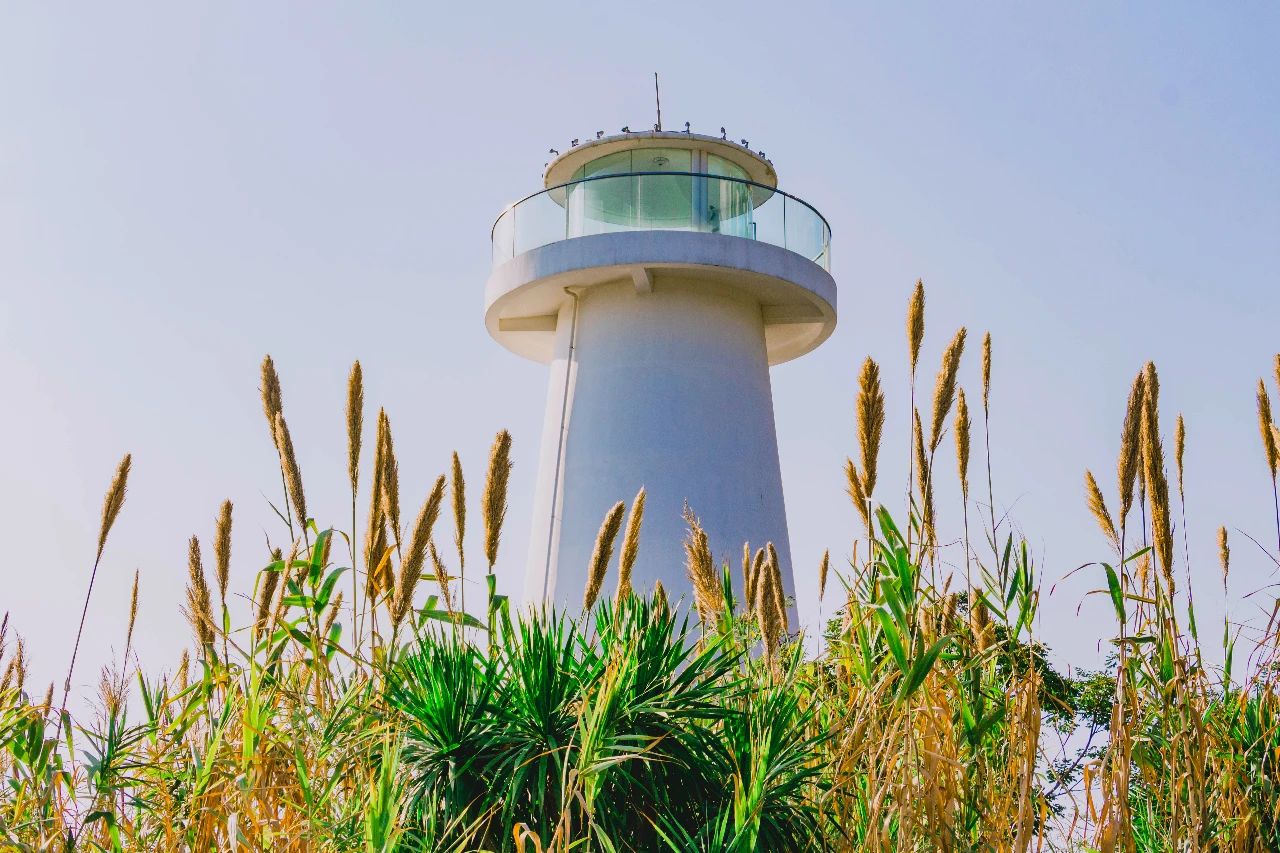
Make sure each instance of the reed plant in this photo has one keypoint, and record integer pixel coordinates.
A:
(406, 717)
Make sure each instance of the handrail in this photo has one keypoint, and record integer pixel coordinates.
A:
(771, 190)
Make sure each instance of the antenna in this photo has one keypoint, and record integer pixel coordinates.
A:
(657, 97)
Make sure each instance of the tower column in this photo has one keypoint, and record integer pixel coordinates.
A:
(668, 390)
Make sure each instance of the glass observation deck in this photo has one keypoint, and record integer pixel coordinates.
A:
(662, 201)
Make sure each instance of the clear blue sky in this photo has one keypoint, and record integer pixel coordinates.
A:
(185, 188)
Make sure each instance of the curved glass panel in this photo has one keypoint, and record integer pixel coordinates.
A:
(663, 201)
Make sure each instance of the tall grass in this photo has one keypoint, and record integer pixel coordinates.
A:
(409, 718)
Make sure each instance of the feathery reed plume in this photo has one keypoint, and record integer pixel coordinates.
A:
(494, 501)
(986, 427)
(630, 545)
(266, 595)
(1154, 477)
(924, 478)
(355, 424)
(15, 671)
(391, 486)
(110, 692)
(111, 506)
(47, 704)
(1098, 506)
(779, 591)
(746, 576)
(133, 616)
(870, 406)
(823, 568)
(986, 371)
(963, 425)
(335, 607)
(1179, 448)
(1265, 421)
(854, 490)
(944, 388)
(376, 531)
(222, 550)
(660, 597)
(184, 671)
(980, 622)
(1224, 557)
(701, 569)
(458, 495)
(272, 404)
(416, 554)
(292, 473)
(199, 602)
(767, 613)
(757, 574)
(1130, 445)
(114, 500)
(601, 554)
(915, 323)
(442, 575)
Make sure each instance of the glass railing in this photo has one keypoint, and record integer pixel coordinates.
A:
(662, 201)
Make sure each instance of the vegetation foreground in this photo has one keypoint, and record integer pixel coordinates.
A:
(363, 703)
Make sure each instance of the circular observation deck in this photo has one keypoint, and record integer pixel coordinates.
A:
(654, 206)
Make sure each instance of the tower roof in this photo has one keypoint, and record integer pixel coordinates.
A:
(561, 170)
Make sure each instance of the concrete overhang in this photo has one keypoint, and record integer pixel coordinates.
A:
(524, 295)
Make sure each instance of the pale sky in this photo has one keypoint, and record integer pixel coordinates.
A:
(185, 188)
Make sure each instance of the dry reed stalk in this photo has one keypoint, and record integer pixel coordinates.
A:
(915, 336)
(112, 503)
(853, 489)
(870, 408)
(292, 473)
(1130, 446)
(986, 427)
(1156, 482)
(701, 569)
(416, 553)
(458, 493)
(601, 554)
(823, 568)
(944, 388)
(493, 503)
(199, 602)
(630, 546)
(1098, 506)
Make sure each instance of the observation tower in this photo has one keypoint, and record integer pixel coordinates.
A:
(659, 275)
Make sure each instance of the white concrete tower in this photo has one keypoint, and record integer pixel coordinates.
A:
(659, 274)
